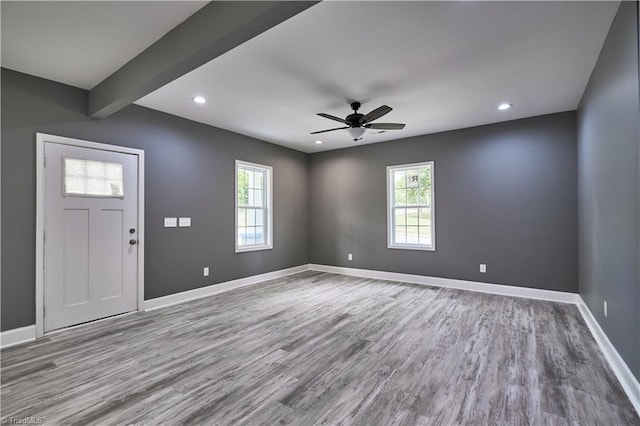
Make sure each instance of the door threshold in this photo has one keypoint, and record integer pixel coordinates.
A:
(71, 327)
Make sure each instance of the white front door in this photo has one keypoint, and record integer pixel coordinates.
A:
(90, 234)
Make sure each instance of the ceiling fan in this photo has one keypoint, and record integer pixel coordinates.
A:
(356, 123)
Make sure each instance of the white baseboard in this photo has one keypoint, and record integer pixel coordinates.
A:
(17, 335)
(26, 334)
(619, 367)
(198, 293)
(505, 290)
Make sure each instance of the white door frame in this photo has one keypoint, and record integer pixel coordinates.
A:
(41, 138)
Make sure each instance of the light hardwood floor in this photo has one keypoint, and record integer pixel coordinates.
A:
(318, 348)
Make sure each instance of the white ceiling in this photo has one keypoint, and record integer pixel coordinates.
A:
(82, 43)
(440, 65)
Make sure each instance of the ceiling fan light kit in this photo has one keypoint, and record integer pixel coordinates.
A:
(356, 123)
(356, 133)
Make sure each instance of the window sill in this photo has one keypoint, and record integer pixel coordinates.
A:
(253, 248)
(411, 247)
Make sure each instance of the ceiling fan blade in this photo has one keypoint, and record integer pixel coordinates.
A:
(376, 113)
(329, 130)
(332, 117)
(385, 126)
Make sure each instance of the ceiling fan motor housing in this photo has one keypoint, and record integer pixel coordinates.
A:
(354, 119)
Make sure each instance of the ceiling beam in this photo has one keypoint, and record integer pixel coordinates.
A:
(213, 30)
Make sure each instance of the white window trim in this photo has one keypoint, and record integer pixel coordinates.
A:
(268, 245)
(390, 213)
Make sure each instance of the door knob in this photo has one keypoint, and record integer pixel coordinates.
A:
(133, 242)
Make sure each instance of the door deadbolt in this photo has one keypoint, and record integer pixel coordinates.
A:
(132, 230)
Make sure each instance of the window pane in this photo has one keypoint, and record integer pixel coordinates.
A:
(400, 235)
(74, 167)
(94, 178)
(242, 217)
(259, 235)
(248, 235)
(412, 217)
(260, 217)
(259, 180)
(412, 179)
(401, 216)
(412, 235)
(425, 217)
(412, 196)
(425, 176)
(241, 234)
(423, 196)
(243, 187)
(251, 217)
(400, 197)
(425, 235)
(258, 199)
(251, 179)
(399, 179)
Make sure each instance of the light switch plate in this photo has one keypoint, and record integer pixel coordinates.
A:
(170, 222)
(184, 221)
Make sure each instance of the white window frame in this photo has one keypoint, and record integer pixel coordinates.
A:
(391, 207)
(268, 223)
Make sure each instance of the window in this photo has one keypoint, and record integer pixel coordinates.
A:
(411, 221)
(253, 207)
(92, 178)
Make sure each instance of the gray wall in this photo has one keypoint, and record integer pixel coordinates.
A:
(609, 188)
(506, 195)
(189, 172)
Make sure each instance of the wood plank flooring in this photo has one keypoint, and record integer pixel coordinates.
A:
(318, 348)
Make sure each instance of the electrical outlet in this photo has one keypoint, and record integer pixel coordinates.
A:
(483, 268)
(605, 309)
(205, 272)
(350, 257)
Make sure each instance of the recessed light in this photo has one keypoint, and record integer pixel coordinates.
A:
(504, 106)
(199, 99)
(318, 142)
